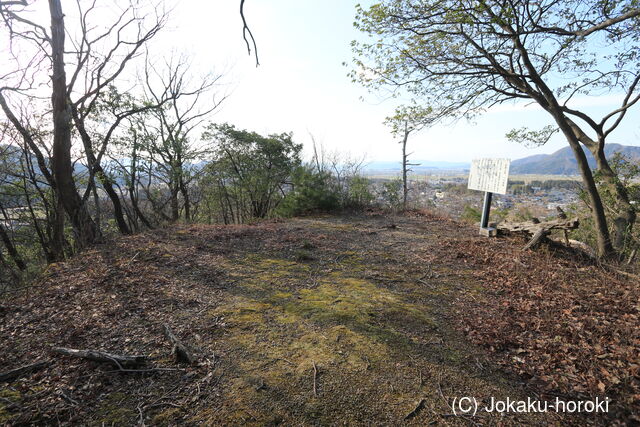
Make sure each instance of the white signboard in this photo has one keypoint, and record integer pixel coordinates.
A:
(489, 175)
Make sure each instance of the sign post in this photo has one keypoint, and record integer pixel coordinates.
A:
(486, 210)
(490, 176)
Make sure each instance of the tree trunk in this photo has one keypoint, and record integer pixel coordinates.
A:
(405, 188)
(625, 215)
(175, 206)
(84, 227)
(57, 230)
(605, 248)
(134, 183)
(97, 170)
(187, 201)
(13, 252)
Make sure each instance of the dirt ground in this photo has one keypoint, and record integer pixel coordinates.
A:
(357, 320)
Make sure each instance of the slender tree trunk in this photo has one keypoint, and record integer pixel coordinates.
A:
(605, 248)
(136, 208)
(187, 201)
(68, 197)
(7, 267)
(13, 252)
(625, 214)
(405, 187)
(175, 205)
(57, 230)
(97, 170)
(133, 185)
(547, 100)
(96, 201)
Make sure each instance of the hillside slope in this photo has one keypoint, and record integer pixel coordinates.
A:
(563, 162)
(315, 321)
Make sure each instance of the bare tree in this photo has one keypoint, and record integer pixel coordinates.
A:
(173, 150)
(73, 97)
(405, 121)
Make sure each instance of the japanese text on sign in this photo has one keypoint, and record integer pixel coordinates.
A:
(489, 175)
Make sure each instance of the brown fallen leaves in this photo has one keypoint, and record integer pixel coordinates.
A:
(570, 327)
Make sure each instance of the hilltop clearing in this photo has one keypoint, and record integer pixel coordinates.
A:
(356, 320)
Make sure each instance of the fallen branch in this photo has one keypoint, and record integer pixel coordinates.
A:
(415, 410)
(180, 350)
(632, 255)
(23, 370)
(142, 371)
(539, 230)
(100, 356)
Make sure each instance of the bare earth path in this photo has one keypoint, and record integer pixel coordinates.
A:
(315, 321)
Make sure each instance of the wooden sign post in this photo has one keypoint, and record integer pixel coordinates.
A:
(490, 176)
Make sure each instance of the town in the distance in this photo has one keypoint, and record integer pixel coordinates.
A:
(538, 185)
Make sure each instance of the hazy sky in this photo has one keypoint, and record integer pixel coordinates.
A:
(302, 84)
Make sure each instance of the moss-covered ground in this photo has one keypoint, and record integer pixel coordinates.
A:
(313, 321)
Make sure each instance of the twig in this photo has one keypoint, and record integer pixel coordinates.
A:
(315, 376)
(245, 31)
(101, 356)
(157, 405)
(181, 351)
(145, 370)
(288, 361)
(441, 393)
(133, 258)
(68, 398)
(8, 404)
(141, 423)
(415, 410)
(23, 370)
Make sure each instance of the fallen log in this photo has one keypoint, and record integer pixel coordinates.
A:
(181, 351)
(118, 360)
(539, 230)
(23, 370)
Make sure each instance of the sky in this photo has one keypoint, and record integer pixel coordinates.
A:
(301, 85)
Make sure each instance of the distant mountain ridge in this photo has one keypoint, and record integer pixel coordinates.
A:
(563, 162)
(424, 165)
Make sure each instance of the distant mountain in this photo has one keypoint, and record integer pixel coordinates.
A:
(562, 162)
(423, 165)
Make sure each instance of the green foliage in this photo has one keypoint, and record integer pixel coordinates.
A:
(312, 191)
(522, 214)
(465, 61)
(471, 214)
(392, 193)
(627, 176)
(532, 138)
(409, 118)
(359, 193)
(249, 171)
(500, 215)
(322, 191)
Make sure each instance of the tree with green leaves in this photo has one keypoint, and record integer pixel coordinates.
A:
(462, 57)
(250, 171)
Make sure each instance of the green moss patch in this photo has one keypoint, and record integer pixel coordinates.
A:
(114, 410)
(9, 397)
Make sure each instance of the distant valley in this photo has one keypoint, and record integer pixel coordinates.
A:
(561, 162)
